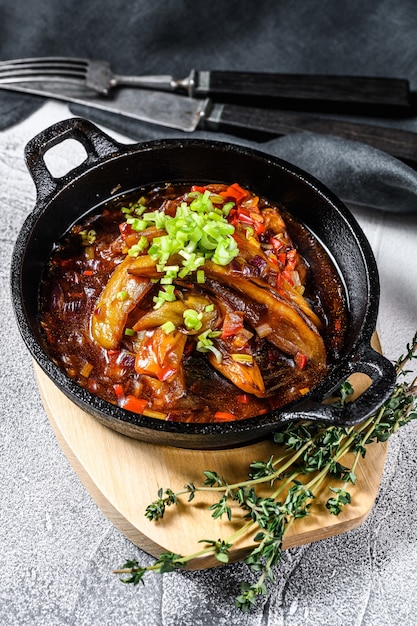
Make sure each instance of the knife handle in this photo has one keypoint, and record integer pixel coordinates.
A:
(247, 120)
(353, 93)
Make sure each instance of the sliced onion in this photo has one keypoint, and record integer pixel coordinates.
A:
(263, 330)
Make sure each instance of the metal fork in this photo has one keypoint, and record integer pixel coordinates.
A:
(352, 94)
(96, 75)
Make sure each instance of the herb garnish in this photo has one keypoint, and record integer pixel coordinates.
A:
(198, 231)
(308, 451)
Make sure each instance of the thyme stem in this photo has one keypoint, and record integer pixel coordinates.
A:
(308, 449)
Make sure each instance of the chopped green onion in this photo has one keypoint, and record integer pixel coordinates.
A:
(216, 198)
(242, 358)
(165, 295)
(166, 280)
(88, 237)
(137, 207)
(192, 319)
(169, 293)
(136, 223)
(225, 252)
(122, 295)
(171, 272)
(168, 327)
(205, 343)
(190, 264)
(227, 208)
(140, 206)
(198, 228)
(129, 332)
(216, 215)
(216, 353)
(138, 247)
(172, 268)
(209, 308)
(199, 231)
(156, 217)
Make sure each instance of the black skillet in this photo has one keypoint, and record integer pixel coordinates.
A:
(111, 169)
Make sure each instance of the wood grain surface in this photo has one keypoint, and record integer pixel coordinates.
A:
(123, 475)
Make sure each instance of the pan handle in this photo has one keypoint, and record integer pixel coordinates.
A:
(97, 145)
(383, 377)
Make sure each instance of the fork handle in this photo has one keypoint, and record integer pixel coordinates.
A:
(360, 93)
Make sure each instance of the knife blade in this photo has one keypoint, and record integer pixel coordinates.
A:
(376, 95)
(188, 114)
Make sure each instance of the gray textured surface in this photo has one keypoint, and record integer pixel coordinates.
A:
(58, 550)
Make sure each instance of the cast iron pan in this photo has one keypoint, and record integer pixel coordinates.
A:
(110, 169)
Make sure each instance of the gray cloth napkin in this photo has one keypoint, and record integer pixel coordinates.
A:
(314, 36)
(358, 174)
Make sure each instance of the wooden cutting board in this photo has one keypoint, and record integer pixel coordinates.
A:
(123, 476)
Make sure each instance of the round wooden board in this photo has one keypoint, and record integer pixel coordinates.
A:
(123, 476)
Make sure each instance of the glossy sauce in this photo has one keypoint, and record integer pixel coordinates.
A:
(82, 265)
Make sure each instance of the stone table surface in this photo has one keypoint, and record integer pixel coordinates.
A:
(57, 550)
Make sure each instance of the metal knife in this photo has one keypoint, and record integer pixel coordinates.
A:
(188, 114)
(376, 95)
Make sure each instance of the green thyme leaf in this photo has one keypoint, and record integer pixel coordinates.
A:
(308, 454)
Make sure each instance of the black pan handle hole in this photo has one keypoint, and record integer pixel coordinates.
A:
(64, 157)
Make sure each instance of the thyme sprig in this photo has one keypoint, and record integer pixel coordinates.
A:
(308, 453)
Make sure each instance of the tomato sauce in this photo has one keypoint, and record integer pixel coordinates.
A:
(193, 335)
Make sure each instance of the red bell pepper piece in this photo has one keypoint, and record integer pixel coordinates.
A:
(131, 403)
(250, 218)
(275, 243)
(300, 360)
(291, 260)
(232, 324)
(236, 192)
(160, 354)
(125, 230)
(119, 391)
(224, 416)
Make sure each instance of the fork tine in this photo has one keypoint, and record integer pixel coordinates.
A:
(30, 75)
(39, 68)
(33, 71)
(67, 61)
